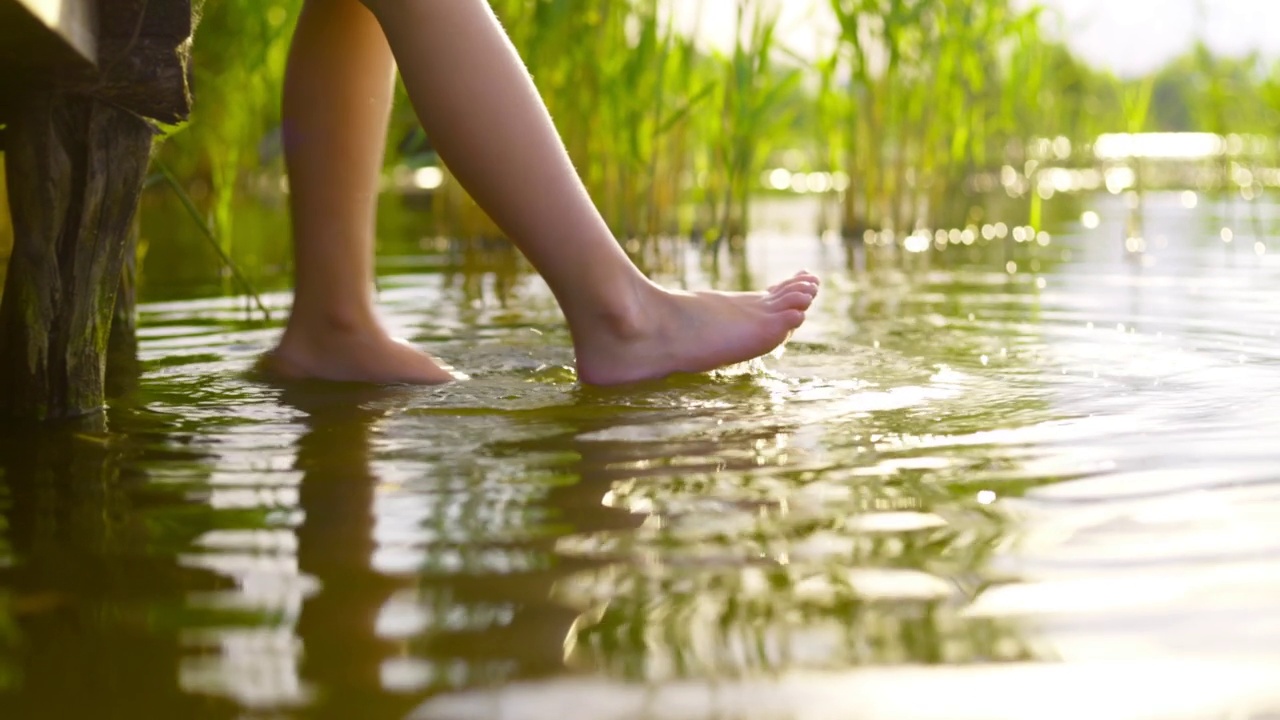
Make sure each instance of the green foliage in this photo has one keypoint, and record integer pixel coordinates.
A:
(1203, 91)
(239, 57)
(651, 120)
(671, 137)
(936, 90)
(750, 121)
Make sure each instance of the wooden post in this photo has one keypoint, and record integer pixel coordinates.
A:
(123, 367)
(79, 141)
(76, 167)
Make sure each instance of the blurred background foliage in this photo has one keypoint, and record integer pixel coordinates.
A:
(889, 121)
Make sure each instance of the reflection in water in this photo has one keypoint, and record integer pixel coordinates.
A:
(87, 610)
(1111, 691)
(981, 479)
(748, 561)
(338, 549)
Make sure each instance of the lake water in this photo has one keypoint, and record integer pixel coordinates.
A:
(1004, 480)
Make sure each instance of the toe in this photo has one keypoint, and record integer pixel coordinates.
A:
(805, 287)
(793, 286)
(789, 320)
(806, 277)
(800, 277)
(791, 300)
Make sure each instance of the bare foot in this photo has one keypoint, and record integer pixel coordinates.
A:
(369, 355)
(666, 332)
(674, 331)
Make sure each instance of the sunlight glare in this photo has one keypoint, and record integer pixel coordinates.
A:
(428, 178)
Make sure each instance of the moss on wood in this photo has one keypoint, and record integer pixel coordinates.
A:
(74, 182)
(79, 143)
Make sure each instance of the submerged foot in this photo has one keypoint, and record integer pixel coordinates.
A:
(673, 331)
(369, 355)
(664, 332)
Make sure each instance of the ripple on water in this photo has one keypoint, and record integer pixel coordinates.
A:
(959, 494)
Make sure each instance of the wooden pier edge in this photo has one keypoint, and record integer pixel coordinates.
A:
(79, 140)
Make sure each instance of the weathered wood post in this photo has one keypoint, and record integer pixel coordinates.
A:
(82, 82)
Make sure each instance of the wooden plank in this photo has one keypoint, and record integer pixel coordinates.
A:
(33, 55)
(144, 51)
(75, 22)
(142, 47)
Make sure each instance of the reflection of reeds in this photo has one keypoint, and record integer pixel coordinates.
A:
(734, 594)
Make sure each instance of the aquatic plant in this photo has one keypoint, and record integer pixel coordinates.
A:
(238, 73)
(907, 102)
(668, 136)
(934, 91)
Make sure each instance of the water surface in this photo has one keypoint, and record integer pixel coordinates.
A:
(1001, 480)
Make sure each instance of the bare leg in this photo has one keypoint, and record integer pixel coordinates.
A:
(483, 114)
(337, 98)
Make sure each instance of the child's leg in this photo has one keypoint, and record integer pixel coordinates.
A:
(337, 98)
(483, 114)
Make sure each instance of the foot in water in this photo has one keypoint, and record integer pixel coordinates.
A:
(667, 332)
(672, 331)
(368, 355)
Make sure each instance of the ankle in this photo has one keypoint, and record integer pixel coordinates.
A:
(622, 311)
(329, 322)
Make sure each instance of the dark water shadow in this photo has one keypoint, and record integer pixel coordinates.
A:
(88, 612)
(342, 655)
(482, 625)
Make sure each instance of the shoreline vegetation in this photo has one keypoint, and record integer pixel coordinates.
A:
(910, 113)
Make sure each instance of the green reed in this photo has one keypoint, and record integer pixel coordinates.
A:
(239, 57)
(937, 90)
(749, 120)
(669, 137)
(911, 99)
